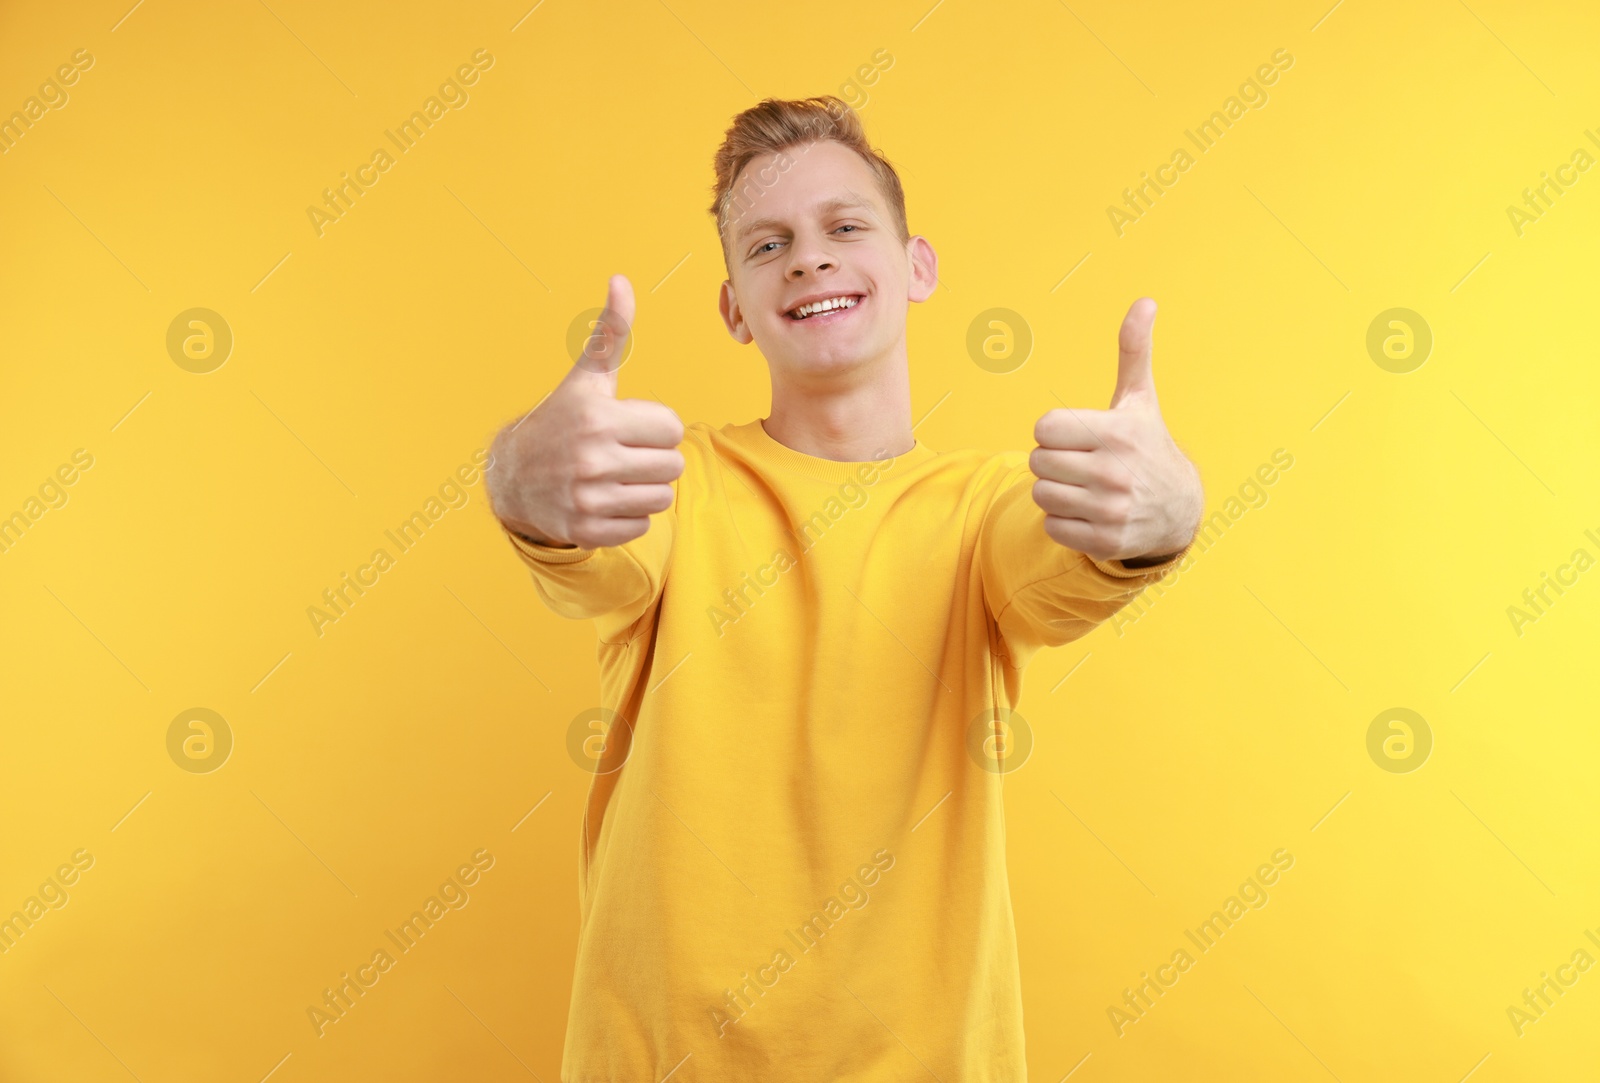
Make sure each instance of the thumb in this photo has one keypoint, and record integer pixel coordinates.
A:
(1134, 376)
(607, 346)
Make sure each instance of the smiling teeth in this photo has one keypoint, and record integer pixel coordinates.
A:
(824, 306)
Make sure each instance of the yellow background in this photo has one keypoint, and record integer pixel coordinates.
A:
(371, 761)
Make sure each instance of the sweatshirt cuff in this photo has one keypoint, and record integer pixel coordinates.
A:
(1115, 569)
(545, 554)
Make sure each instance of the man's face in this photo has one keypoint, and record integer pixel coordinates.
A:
(809, 224)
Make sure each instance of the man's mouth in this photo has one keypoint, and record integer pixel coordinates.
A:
(827, 309)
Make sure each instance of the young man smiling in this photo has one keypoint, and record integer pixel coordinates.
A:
(861, 707)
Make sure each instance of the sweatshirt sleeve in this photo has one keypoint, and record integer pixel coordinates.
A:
(1039, 592)
(614, 585)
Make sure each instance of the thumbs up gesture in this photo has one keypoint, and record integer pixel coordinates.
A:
(1112, 483)
(586, 468)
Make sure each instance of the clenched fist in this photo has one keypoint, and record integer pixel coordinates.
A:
(1112, 483)
(586, 468)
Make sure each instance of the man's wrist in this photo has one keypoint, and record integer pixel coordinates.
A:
(1148, 561)
(528, 534)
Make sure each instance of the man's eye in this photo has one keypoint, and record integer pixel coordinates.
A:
(761, 249)
(848, 227)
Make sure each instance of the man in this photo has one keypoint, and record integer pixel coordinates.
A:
(812, 629)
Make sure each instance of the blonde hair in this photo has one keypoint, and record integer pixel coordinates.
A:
(775, 125)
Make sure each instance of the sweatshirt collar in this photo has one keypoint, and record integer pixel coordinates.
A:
(755, 438)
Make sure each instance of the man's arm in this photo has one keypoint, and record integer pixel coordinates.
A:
(575, 482)
(1113, 483)
(1118, 503)
(1042, 593)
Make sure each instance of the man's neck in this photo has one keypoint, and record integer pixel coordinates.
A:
(863, 420)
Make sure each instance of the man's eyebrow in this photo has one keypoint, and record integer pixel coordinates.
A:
(832, 205)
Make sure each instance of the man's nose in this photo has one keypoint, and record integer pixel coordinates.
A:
(809, 255)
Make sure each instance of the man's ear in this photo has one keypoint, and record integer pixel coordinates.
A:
(732, 317)
(924, 269)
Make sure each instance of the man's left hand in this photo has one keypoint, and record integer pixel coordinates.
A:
(1112, 483)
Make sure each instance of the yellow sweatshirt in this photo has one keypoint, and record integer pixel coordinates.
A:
(793, 854)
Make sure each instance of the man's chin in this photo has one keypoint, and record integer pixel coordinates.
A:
(827, 361)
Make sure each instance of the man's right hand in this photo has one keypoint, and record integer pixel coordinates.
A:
(586, 468)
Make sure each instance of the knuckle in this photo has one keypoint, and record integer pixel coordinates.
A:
(588, 465)
(585, 502)
(591, 420)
